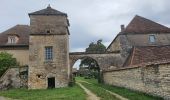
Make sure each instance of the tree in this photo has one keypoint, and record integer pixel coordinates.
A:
(97, 47)
(6, 61)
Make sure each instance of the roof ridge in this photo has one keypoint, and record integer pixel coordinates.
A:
(48, 11)
(151, 20)
(141, 24)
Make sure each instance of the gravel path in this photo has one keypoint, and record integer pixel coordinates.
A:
(90, 95)
(4, 98)
(116, 95)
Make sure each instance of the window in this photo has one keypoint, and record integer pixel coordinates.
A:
(48, 31)
(49, 53)
(12, 39)
(152, 38)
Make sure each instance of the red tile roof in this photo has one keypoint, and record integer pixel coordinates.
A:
(22, 31)
(142, 25)
(149, 55)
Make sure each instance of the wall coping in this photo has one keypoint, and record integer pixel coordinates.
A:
(138, 66)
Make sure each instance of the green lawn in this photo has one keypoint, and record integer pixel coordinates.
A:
(100, 92)
(68, 93)
(76, 93)
(131, 95)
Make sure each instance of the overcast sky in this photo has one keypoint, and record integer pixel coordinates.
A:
(90, 20)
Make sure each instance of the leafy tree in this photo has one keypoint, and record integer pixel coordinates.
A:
(6, 61)
(97, 47)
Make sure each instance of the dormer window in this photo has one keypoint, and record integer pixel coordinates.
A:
(12, 39)
(152, 39)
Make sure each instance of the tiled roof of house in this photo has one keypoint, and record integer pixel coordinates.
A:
(48, 11)
(142, 25)
(22, 31)
(148, 55)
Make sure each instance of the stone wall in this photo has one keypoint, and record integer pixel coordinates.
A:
(56, 24)
(115, 45)
(126, 40)
(14, 78)
(40, 69)
(143, 39)
(22, 55)
(154, 79)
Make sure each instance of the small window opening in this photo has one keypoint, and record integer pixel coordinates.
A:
(152, 38)
(38, 75)
(48, 31)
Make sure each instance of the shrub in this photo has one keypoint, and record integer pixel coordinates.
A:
(6, 61)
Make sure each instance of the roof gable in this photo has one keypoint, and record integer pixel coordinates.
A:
(142, 25)
(48, 11)
(22, 31)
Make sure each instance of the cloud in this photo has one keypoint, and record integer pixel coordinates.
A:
(90, 19)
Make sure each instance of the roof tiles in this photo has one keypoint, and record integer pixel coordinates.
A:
(149, 55)
(22, 31)
(142, 25)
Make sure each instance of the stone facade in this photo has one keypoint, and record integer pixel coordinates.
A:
(152, 79)
(20, 53)
(40, 70)
(48, 30)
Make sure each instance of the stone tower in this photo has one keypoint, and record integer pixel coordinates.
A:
(48, 49)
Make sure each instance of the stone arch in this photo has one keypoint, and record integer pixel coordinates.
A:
(75, 58)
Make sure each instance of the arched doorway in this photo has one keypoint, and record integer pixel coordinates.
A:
(86, 67)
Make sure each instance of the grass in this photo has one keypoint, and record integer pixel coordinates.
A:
(100, 92)
(67, 93)
(131, 95)
(76, 93)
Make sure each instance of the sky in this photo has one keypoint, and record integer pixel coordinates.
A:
(90, 20)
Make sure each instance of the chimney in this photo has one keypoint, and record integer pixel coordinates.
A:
(122, 28)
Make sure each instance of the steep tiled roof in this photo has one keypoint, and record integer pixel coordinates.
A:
(149, 55)
(48, 11)
(22, 31)
(142, 25)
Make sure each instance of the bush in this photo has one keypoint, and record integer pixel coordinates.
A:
(6, 61)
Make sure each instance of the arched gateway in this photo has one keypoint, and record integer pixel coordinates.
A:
(104, 60)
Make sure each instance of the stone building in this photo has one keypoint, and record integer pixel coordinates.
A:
(16, 41)
(43, 46)
(144, 46)
(140, 32)
(48, 49)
